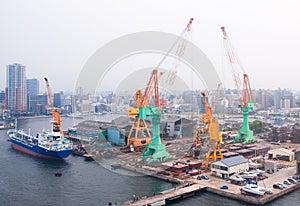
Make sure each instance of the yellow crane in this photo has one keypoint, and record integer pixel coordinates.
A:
(194, 150)
(57, 122)
(207, 118)
(215, 140)
(212, 127)
(139, 134)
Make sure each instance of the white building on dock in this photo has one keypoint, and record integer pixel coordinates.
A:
(226, 167)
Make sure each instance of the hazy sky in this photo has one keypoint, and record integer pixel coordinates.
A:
(55, 38)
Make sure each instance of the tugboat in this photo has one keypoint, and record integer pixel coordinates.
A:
(88, 157)
(58, 174)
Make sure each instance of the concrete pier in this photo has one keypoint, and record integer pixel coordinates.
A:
(213, 185)
(253, 200)
(163, 199)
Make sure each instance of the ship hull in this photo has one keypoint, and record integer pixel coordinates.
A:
(40, 152)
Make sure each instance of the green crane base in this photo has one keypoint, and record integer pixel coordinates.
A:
(245, 137)
(156, 153)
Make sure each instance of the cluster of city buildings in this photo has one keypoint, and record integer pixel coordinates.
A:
(22, 97)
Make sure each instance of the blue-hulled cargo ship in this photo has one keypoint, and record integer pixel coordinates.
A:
(48, 144)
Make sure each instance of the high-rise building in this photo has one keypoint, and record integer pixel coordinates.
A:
(285, 103)
(265, 99)
(16, 87)
(37, 104)
(32, 87)
(57, 99)
(2, 97)
(283, 95)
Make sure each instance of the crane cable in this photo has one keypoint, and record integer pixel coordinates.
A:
(187, 28)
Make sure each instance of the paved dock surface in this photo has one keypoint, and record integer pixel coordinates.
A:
(213, 185)
(177, 193)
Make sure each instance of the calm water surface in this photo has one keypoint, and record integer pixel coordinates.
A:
(26, 180)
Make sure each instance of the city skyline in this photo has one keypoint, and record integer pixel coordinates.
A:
(56, 42)
(22, 97)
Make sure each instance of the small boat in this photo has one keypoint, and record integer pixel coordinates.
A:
(252, 190)
(88, 157)
(78, 150)
(248, 175)
(267, 190)
(58, 174)
(10, 133)
(115, 166)
(194, 172)
(177, 173)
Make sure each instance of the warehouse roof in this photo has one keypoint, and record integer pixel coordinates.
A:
(281, 151)
(236, 160)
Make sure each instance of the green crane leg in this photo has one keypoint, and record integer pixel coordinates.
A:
(245, 135)
(156, 151)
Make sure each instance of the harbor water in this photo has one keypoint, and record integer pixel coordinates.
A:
(26, 180)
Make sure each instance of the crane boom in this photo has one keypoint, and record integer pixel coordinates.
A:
(208, 115)
(207, 118)
(214, 102)
(179, 52)
(151, 86)
(247, 92)
(57, 122)
(246, 100)
(235, 64)
(49, 92)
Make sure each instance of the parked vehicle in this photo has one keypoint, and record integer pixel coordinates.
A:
(277, 186)
(284, 186)
(286, 182)
(297, 177)
(251, 182)
(204, 177)
(224, 187)
(292, 180)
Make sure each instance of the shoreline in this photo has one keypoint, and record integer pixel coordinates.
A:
(191, 187)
